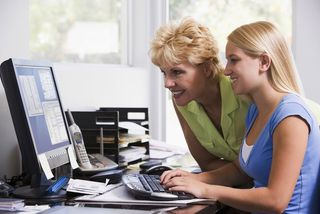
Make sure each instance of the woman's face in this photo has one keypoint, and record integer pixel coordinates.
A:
(242, 69)
(186, 82)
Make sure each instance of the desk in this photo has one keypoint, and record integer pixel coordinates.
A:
(184, 160)
(205, 209)
(101, 210)
(177, 161)
(97, 209)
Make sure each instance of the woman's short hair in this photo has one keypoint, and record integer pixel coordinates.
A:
(263, 37)
(187, 41)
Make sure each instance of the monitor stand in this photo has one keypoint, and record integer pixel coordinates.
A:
(38, 190)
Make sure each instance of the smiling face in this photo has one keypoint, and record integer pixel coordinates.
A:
(186, 82)
(243, 70)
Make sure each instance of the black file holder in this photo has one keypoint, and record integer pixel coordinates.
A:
(104, 124)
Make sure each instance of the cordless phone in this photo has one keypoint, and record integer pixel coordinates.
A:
(78, 144)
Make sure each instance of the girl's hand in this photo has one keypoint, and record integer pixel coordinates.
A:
(188, 184)
(167, 175)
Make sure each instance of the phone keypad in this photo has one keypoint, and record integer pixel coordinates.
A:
(83, 154)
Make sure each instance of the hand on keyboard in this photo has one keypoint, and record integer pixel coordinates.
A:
(180, 180)
(144, 186)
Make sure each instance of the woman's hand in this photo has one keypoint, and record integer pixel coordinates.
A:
(188, 184)
(180, 180)
(167, 175)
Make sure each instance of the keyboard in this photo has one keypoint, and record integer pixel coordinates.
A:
(143, 186)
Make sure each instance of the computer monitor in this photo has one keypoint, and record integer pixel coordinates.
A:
(39, 121)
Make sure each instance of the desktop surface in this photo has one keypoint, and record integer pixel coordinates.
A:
(124, 210)
(180, 161)
(70, 205)
(86, 210)
(109, 201)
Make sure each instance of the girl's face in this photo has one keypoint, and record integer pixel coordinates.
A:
(243, 70)
(185, 81)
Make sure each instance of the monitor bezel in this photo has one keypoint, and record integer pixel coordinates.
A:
(30, 156)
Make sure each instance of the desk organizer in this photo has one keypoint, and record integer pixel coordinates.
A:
(103, 132)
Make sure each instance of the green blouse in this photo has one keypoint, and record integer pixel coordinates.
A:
(233, 115)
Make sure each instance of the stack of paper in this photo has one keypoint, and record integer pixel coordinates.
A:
(11, 204)
(132, 126)
(162, 150)
(132, 153)
(125, 139)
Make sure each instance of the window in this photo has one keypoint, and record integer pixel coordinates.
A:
(223, 16)
(76, 31)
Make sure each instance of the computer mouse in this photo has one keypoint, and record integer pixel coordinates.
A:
(113, 175)
(196, 171)
(157, 170)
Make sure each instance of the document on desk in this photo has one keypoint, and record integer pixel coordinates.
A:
(87, 187)
(161, 150)
(120, 196)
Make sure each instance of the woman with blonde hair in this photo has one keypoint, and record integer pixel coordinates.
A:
(281, 149)
(211, 115)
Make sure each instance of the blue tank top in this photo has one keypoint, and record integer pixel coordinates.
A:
(306, 197)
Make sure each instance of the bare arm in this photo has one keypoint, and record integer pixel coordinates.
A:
(205, 159)
(289, 145)
(229, 175)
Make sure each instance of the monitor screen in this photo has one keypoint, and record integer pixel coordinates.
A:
(37, 114)
(42, 107)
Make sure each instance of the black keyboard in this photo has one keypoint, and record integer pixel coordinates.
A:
(148, 187)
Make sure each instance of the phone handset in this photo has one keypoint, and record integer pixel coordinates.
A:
(78, 144)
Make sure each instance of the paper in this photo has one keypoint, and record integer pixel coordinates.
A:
(33, 209)
(120, 195)
(181, 161)
(11, 204)
(72, 158)
(132, 153)
(132, 126)
(158, 154)
(163, 146)
(87, 187)
(45, 166)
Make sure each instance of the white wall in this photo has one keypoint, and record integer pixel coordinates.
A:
(306, 40)
(89, 87)
(12, 13)
(85, 87)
